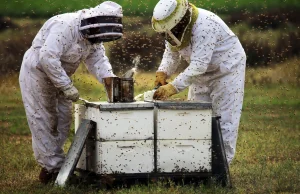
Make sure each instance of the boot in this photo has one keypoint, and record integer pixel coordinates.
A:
(46, 177)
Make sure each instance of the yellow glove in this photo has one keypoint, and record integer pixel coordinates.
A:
(161, 78)
(164, 92)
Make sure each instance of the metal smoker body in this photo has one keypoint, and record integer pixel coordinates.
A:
(119, 89)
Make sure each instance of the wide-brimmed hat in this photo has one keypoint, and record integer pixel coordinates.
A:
(168, 13)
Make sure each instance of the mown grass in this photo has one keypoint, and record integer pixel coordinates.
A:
(135, 7)
(267, 159)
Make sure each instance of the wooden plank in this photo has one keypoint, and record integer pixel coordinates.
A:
(220, 167)
(74, 152)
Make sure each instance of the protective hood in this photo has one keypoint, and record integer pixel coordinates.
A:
(102, 23)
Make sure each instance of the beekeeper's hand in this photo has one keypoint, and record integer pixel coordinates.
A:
(161, 78)
(71, 93)
(164, 92)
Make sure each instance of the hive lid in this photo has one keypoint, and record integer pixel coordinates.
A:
(186, 105)
(106, 106)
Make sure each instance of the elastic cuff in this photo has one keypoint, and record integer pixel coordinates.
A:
(167, 76)
(64, 88)
(177, 91)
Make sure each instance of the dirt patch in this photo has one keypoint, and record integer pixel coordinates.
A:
(5, 124)
(6, 23)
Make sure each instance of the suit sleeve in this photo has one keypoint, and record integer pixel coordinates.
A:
(203, 44)
(170, 61)
(59, 39)
(98, 64)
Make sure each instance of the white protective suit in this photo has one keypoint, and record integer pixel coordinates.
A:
(55, 54)
(216, 72)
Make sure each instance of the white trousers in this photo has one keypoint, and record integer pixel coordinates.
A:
(226, 92)
(48, 113)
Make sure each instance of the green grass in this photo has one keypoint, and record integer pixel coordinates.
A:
(267, 159)
(135, 7)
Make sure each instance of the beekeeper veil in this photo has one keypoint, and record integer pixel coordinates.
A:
(102, 23)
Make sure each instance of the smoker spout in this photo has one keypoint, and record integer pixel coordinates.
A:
(130, 73)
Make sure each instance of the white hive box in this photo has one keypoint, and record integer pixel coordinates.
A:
(124, 157)
(184, 155)
(124, 137)
(183, 133)
(122, 121)
(183, 124)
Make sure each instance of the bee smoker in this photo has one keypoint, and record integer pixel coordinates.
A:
(119, 89)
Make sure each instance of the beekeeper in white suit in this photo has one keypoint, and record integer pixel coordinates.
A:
(47, 91)
(216, 58)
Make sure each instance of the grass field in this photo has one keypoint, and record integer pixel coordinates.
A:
(267, 159)
(135, 7)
